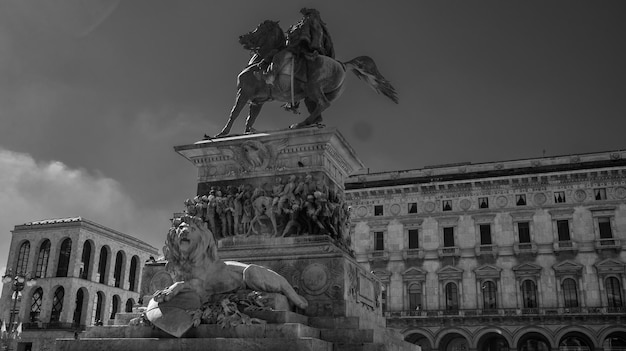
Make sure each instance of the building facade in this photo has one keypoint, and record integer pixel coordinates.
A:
(515, 255)
(84, 273)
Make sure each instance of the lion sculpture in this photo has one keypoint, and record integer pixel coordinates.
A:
(191, 252)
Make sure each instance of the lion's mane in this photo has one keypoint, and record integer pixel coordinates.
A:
(204, 252)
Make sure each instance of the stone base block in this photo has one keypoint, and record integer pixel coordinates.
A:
(287, 330)
(194, 344)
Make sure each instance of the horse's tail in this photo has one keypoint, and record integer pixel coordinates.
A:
(365, 69)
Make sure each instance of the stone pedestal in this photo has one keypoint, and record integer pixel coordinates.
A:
(286, 177)
(258, 158)
(266, 183)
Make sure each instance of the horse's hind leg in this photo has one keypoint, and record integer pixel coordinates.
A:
(311, 106)
(319, 103)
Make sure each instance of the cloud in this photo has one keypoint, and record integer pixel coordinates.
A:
(31, 190)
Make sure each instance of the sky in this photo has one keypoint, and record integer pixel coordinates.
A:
(94, 94)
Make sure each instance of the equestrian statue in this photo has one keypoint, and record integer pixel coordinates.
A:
(294, 67)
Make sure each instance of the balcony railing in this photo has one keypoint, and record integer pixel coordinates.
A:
(505, 312)
(610, 243)
(53, 326)
(567, 245)
(449, 251)
(378, 255)
(525, 248)
(486, 250)
(413, 253)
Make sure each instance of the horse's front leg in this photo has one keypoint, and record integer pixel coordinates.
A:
(240, 102)
(255, 109)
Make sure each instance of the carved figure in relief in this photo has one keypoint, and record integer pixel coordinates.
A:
(262, 206)
(247, 215)
(312, 215)
(222, 214)
(190, 207)
(211, 204)
(304, 188)
(277, 190)
(288, 192)
(191, 252)
(294, 220)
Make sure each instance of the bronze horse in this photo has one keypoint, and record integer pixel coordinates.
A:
(267, 40)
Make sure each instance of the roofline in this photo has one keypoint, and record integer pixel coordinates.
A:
(82, 222)
(466, 171)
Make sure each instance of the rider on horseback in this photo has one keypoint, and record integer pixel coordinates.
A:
(306, 39)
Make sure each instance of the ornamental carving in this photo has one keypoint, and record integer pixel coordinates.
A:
(429, 206)
(580, 195)
(540, 199)
(315, 279)
(465, 204)
(291, 206)
(395, 209)
(502, 201)
(254, 155)
(361, 211)
(620, 192)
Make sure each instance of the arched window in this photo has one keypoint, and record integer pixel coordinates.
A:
(117, 274)
(489, 295)
(42, 259)
(132, 275)
(570, 293)
(35, 306)
(57, 304)
(452, 297)
(64, 258)
(78, 308)
(85, 262)
(613, 292)
(529, 294)
(415, 297)
(102, 265)
(115, 306)
(129, 305)
(22, 258)
(98, 305)
(573, 342)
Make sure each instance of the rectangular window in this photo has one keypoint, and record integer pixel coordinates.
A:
(523, 230)
(485, 234)
(447, 205)
(562, 227)
(604, 224)
(413, 239)
(600, 193)
(559, 197)
(378, 210)
(520, 200)
(448, 237)
(483, 202)
(379, 241)
(412, 207)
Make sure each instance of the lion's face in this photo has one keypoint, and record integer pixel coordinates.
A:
(188, 237)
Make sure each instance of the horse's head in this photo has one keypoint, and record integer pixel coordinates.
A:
(267, 35)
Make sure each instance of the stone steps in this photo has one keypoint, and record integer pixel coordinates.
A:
(284, 330)
(193, 344)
